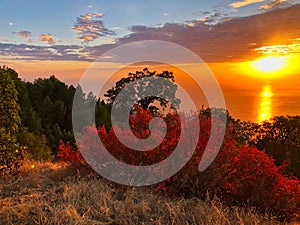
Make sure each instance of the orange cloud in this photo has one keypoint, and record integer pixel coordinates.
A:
(47, 38)
(274, 4)
(284, 49)
(89, 27)
(239, 4)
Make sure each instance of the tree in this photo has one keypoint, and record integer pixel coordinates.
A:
(52, 101)
(83, 109)
(244, 132)
(102, 114)
(29, 116)
(142, 85)
(281, 139)
(10, 151)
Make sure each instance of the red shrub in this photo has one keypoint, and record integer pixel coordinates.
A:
(69, 154)
(237, 175)
(246, 174)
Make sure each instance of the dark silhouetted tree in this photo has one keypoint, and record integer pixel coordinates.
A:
(168, 89)
(281, 138)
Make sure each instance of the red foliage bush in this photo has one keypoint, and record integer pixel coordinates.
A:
(238, 175)
(139, 124)
(68, 153)
(242, 175)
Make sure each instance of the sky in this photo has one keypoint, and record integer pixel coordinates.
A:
(40, 38)
(58, 18)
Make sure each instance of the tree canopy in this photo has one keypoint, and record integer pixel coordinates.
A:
(10, 152)
(142, 85)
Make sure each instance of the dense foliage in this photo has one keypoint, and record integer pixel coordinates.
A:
(239, 174)
(279, 137)
(35, 116)
(10, 152)
(51, 102)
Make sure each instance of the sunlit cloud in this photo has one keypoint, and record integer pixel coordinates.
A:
(274, 4)
(90, 27)
(239, 4)
(47, 38)
(167, 14)
(285, 49)
(10, 24)
(54, 51)
(23, 33)
(190, 24)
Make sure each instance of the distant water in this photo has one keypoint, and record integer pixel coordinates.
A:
(257, 106)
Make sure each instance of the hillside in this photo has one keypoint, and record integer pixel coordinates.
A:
(47, 193)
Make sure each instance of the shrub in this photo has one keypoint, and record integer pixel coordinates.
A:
(238, 175)
(36, 146)
(70, 154)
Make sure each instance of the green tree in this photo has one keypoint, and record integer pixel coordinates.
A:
(52, 101)
(29, 116)
(36, 145)
(10, 152)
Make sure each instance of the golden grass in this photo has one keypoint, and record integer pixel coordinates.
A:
(57, 194)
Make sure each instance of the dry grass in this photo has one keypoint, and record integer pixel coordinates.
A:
(57, 194)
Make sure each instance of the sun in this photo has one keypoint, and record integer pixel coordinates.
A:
(270, 64)
(270, 67)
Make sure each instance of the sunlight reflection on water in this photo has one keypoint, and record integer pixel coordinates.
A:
(265, 106)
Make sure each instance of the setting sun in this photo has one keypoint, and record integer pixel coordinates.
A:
(270, 64)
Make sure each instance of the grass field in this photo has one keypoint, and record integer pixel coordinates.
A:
(55, 193)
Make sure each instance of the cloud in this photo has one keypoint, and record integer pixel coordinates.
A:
(201, 13)
(47, 38)
(10, 24)
(210, 18)
(89, 27)
(238, 39)
(243, 3)
(35, 52)
(290, 48)
(274, 4)
(232, 37)
(23, 33)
